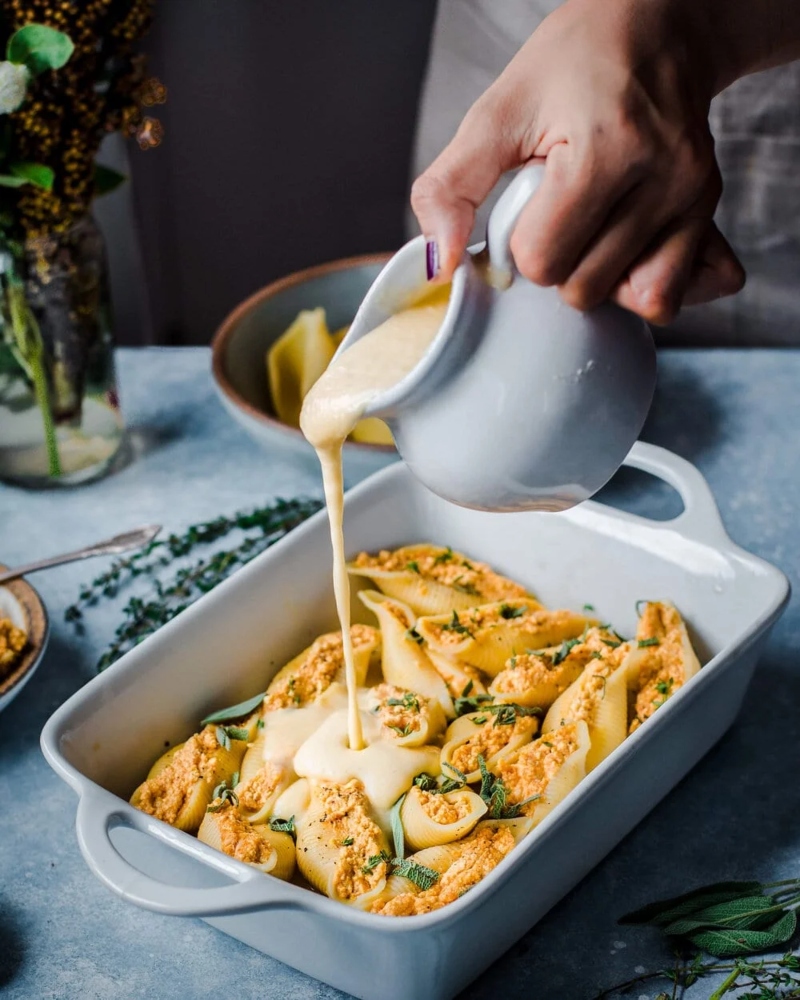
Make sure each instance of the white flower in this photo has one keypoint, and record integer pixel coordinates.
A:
(13, 84)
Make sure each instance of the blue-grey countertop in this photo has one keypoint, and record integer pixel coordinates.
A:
(736, 414)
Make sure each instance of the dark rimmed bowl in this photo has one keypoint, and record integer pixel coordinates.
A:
(238, 353)
(20, 602)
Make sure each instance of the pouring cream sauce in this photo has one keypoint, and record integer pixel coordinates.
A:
(333, 407)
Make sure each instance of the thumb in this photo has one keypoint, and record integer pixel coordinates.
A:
(446, 196)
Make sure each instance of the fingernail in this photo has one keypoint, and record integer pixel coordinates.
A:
(431, 259)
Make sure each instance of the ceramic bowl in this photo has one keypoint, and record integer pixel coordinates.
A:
(240, 345)
(20, 602)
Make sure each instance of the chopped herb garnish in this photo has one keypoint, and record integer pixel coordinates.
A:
(465, 704)
(611, 642)
(664, 687)
(260, 724)
(225, 793)
(495, 794)
(409, 701)
(546, 744)
(413, 636)
(373, 861)
(508, 612)
(467, 689)
(596, 656)
(638, 604)
(454, 625)
(443, 557)
(649, 642)
(222, 738)
(402, 730)
(236, 732)
(347, 842)
(420, 875)
(467, 563)
(426, 782)
(506, 714)
(283, 825)
(564, 650)
(465, 588)
(413, 566)
(235, 711)
(479, 721)
(451, 784)
(588, 607)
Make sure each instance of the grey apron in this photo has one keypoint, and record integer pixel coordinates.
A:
(756, 125)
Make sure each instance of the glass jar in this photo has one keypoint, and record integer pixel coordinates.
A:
(60, 422)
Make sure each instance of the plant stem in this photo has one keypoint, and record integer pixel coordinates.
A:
(725, 986)
(42, 391)
(28, 339)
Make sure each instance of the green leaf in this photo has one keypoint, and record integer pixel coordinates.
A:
(237, 733)
(398, 834)
(730, 943)
(223, 739)
(282, 825)
(664, 911)
(420, 875)
(741, 912)
(235, 711)
(34, 173)
(39, 47)
(7, 180)
(106, 179)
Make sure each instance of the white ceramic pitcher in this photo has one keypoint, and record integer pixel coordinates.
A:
(521, 402)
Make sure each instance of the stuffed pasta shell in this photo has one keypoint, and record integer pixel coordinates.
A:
(432, 580)
(403, 661)
(180, 784)
(485, 637)
(313, 671)
(490, 733)
(440, 875)
(599, 697)
(432, 817)
(341, 850)
(666, 659)
(412, 719)
(540, 774)
(258, 845)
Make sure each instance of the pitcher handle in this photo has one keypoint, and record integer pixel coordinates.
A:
(504, 218)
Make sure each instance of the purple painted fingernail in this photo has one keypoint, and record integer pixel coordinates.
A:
(431, 259)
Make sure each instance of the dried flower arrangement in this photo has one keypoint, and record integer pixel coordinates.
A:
(71, 77)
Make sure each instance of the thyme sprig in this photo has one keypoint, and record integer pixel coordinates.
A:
(172, 575)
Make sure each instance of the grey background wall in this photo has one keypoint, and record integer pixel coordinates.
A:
(289, 128)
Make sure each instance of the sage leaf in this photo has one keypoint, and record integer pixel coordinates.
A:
(39, 47)
(398, 834)
(235, 711)
(731, 943)
(665, 911)
(734, 913)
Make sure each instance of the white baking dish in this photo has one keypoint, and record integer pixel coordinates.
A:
(229, 644)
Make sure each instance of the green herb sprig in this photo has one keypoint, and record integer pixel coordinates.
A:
(456, 625)
(173, 577)
(283, 825)
(225, 793)
(727, 920)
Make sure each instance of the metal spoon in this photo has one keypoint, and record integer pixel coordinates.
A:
(113, 546)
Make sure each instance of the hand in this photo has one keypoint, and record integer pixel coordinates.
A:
(615, 95)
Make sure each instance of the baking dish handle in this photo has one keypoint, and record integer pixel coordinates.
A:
(99, 812)
(700, 519)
